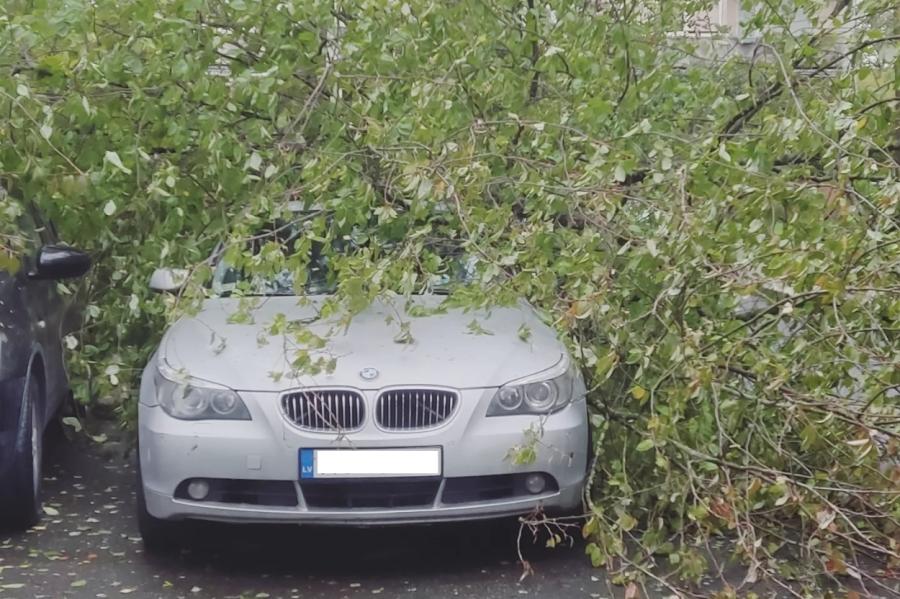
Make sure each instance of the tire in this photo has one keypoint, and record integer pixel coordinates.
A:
(23, 504)
(161, 537)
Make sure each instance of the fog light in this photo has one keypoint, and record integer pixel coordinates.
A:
(198, 489)
(535, 483)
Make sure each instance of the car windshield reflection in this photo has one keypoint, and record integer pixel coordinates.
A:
(318, 277)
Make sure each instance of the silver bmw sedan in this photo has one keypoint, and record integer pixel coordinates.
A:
(463, 418)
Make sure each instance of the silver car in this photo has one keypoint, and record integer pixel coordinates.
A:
(470, 415)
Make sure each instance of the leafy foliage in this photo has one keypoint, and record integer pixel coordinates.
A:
(715, 229)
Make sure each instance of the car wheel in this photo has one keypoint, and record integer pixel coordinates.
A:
(23, 507)
(160, 537)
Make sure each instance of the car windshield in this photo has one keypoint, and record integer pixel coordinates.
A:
(456, 268)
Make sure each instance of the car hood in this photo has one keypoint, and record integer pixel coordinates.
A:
(454, 348)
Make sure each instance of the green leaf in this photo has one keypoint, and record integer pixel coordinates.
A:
(524, 332)
(113, 159)
(73, 422)
(645, 445)
(627, 521)
(723, 153)
(9, 263)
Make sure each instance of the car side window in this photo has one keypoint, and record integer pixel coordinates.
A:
(27, 233)
(45, 230)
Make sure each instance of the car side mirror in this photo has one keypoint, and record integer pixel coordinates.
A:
(168, 280)
(60, 262)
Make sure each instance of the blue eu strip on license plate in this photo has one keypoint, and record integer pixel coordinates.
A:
(370, 463)
(307, 468)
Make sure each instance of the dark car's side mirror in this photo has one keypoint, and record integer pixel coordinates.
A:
(60, 262)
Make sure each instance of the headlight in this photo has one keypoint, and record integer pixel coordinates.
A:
(542, 393)
(189, 399)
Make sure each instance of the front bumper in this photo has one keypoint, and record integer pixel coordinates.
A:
(267, 447)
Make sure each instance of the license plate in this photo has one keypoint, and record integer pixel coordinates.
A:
(369, 463)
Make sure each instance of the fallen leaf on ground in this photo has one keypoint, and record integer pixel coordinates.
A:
(631, 591)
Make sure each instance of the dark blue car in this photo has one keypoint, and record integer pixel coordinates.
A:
(34, 317)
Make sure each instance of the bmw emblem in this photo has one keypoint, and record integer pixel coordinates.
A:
(369, 374)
